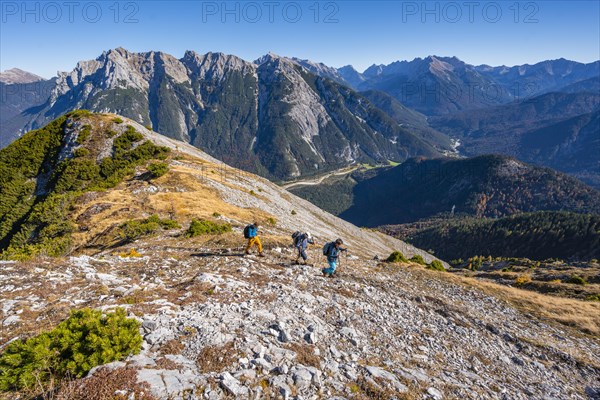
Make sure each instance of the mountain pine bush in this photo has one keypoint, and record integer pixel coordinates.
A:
(135, 229)
(203, 227)
(158, 169)
(436, 265)
(576, 280)
(84, 340)
(418, 259)
(396, 257)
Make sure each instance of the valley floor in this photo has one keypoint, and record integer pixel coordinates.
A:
(219, 325)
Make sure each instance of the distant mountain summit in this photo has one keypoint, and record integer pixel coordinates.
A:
(435, 85)
(541, 77)
(16, 75)
(443, 85)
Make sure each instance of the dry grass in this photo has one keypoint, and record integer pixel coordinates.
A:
(101, 212)
(103, 385)
(266, 298)
(267, 392)
(581, 315)
(216, 358)
(173, 346)
(165, 363)
(305, 354)
(365, 389)
(341, 290)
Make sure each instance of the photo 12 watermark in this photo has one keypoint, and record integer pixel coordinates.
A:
(254, 12)
(53, 12)
(32, 92)
(431, 94)
(470, 12)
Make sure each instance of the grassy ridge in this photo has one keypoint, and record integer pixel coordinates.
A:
(40, 178)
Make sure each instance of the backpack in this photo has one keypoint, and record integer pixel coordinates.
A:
(297, 237)
(327, 248)
(247, 231)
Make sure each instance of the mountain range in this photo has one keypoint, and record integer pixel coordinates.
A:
(558, 130)
(286, 118)
(270, 116)
(443, 85)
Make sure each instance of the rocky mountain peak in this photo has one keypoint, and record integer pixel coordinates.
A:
(438, 66)
(278, 65)
(16, 75)
(217, 63)
(350, 75)
(269, 57)
(374, 70)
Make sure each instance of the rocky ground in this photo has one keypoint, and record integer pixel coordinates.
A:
(220, 325)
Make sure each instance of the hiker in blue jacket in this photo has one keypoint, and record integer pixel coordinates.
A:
(301, 243)
(332, 250)
(251, 233)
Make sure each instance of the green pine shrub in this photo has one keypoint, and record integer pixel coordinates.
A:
(126, 140)
(576, 280)
(436, 265)
(77, 114)
(158, 169)
(84, 340)
(593, 297)
(135, 229)
(85, 133)
(203, 227)
(80, 152)
(118, 120)
(396, 257)
(418, 259)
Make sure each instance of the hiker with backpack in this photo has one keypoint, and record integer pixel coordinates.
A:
(301, 242)
(251, 233)
(332, 250)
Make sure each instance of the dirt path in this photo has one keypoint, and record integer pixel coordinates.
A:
(316, 181)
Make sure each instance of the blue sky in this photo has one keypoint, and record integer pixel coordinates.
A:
(44, 37)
